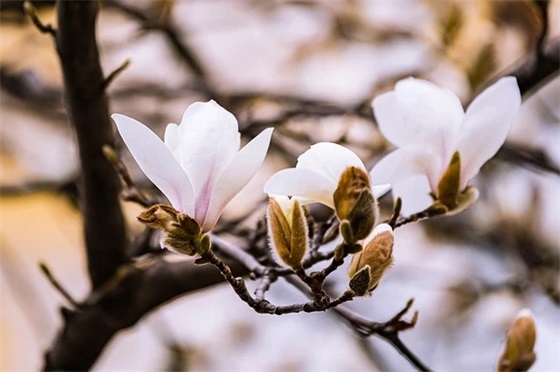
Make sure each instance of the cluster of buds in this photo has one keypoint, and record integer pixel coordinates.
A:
(181, 233)
(369, 265)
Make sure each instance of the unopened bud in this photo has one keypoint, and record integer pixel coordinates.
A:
(448, 186)
(377, 255)
(181, 233)
(359, 282)
(355, 203)
(287, 229)
(518, 354)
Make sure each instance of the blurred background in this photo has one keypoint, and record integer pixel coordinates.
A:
(309, 68)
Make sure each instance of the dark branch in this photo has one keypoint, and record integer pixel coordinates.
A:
(105, 235)
(31, 13)
(136, 291)
(56, 284)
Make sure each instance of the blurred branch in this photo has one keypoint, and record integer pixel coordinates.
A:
(87, 104)
(532, 158)
(173, 36)
(134, 292)
(59, 287)
(31, 13)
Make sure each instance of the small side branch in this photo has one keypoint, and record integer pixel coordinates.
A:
(113, 75)
(263, 306)
(56, 284)
(31, 12)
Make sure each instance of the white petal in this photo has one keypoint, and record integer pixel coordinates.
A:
(391, 123)
(209, 141)
(157, 162)
(488, 120)
(405, 162)
(381, 228)
(421, 113)
(236, 176)
(284, 202)
(302, 183)
(380, 190)
(172, 139)
(329, 160)
(415, 194)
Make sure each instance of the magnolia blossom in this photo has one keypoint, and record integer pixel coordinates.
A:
(428, 125)
(199, 167)
(317, 173)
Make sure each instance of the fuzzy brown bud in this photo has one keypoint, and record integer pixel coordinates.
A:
(377, 256)
(181, 232)
(518, 354)
(355, 203)
(287, 229)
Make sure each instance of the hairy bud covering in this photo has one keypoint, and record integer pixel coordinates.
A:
(376, 256)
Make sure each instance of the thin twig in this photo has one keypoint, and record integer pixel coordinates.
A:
(31, 12)
(131, 192)
(113, 75)
(49, 275)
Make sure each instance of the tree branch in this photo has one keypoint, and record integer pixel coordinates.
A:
(105, 235)
(134, 292)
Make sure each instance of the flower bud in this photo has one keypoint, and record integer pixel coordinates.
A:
(355, 203)
(376, 256)
(448, 186)
(518, 354)
(181, 232)
(287, 229)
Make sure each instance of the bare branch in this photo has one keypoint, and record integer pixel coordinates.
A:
(50, 277)
(31, 13)
(105, 234)
(113, 75)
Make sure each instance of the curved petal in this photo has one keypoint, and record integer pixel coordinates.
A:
(157, 162)
(415, 194)
(236, 176)
(403, 163)
(329, 160)
(421, 113)
(302, 183)
(488, 120)
(209, 141)
(390, 122)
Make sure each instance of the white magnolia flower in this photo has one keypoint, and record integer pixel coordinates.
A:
(317, 173)
(199, 168)
(429, 125)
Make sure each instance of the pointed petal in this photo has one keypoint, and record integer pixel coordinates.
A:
(420, 113)
(329, 160)
(209, 142)
(403, 163)
(302, 183)
(236, 176)
(488, 120)
(157, 162)
(415, 194)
